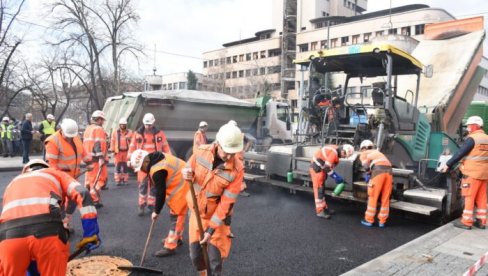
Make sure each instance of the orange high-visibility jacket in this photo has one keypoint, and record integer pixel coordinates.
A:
(176, 189)
(372, 157)
(120, 140)
(216, 189)
(64, 155)
(328, 154)
(41, 193)
(95, 141)
(475, 164)
(199, 139)
(149, 141)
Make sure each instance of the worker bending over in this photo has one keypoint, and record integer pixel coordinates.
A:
(216, 174)
(31, 229)
(380, 183)
(322, 166)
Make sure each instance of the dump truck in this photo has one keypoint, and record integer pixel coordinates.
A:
(178, 113)
(413, 114)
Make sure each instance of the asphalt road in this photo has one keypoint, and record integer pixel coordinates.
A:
(276, 234)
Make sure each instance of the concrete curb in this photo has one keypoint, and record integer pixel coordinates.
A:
(19, 168)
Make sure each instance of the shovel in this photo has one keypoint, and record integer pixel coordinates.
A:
(140, 268)
(77, 253)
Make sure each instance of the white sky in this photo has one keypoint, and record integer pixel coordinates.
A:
(191, 27)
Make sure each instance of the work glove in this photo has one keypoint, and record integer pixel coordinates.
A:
(91, 239)
(337, 178)
(187, 173)
(367, 177)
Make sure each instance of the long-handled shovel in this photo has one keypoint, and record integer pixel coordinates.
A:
(200, 227)
(140, 268)
(77, 252)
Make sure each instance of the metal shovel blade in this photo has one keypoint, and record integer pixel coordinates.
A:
(140, 269)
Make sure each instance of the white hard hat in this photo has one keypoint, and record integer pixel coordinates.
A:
(98, 114)
(5, 119)
(50, 116)
(123, 121)
(69, 128)
(475, 120)
(232, 122)
(349, 149)
(137, 158)
(34, 163)
(366, 144)
(202, 124)
(230, 138)
(148, 119)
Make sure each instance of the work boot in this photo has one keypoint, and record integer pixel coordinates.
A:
(461, 225)
(366, 223)
(165, 252)
(105, 188)
(324, 214)
(118, 183)
(478, 224)
(141, 211)
(244, 193)
(381, 225)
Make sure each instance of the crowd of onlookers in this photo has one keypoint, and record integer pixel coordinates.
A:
(17, 135)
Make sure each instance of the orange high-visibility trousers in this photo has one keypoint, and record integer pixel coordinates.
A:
(121, 172)
(176, 229)
(379, 187)
(147, 191)
(318, 180)
(474, 192)
(90, 181)
(218, 247)
(50, 253)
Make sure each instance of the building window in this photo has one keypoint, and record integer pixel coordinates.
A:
(229, 60)
(164, 87)
(419, 29)
(262, 71)
(248, 56)
(405, 30)
(254, 72)
(234, 59)
(222, 61)
(379, 33)
(182, 85)
(366, 37)
(241, 58)
(248, 73)
(344, 40)
(274, 52)
(319, 25)
(313, 46)
(204, 64)
(227, 75)
(355, 39)
(303, 47)
(255, 55)
(262, 54)
(210, 63)
(333, 43)
(324, 13)
(345, 3)
(392, 31)
(323, 44)
(241, 73)
(234, 74)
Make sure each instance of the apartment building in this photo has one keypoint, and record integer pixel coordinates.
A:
(173, 82)
(248, 67)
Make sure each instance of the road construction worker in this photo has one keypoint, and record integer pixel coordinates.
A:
(216, 174)
(248, 142)
(380, 183)
(165, 174)
(200, 137)
(119, 144)
(322, 166)
(47, 128)
(7, 139)
(31, 229)
(150, 139)
(65, 152)
(95, 144)
(473, 155)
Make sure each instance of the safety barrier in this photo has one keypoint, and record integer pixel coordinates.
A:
(474, 268)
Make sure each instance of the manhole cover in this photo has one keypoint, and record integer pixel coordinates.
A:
(97, 265)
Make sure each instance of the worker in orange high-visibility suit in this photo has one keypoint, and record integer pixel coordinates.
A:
(321, 166)
(64, 152)
(216, 173)
(165, 174)
(150, 139)
(380, 183)
(474, 167)
(200, 137)
(119, 144)
(95, 144)
(31, 229)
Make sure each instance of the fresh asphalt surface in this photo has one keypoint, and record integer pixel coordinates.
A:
(276, 233)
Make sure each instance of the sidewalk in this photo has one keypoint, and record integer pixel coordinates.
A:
(445, 251)
(14, 163)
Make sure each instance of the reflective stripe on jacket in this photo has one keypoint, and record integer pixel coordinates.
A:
(372, 157)
(43, 192)
(176, 189)
(475, 164)
(217, 189)
(64, 155)
(120, 140)
(149, 141)
(95, 141)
